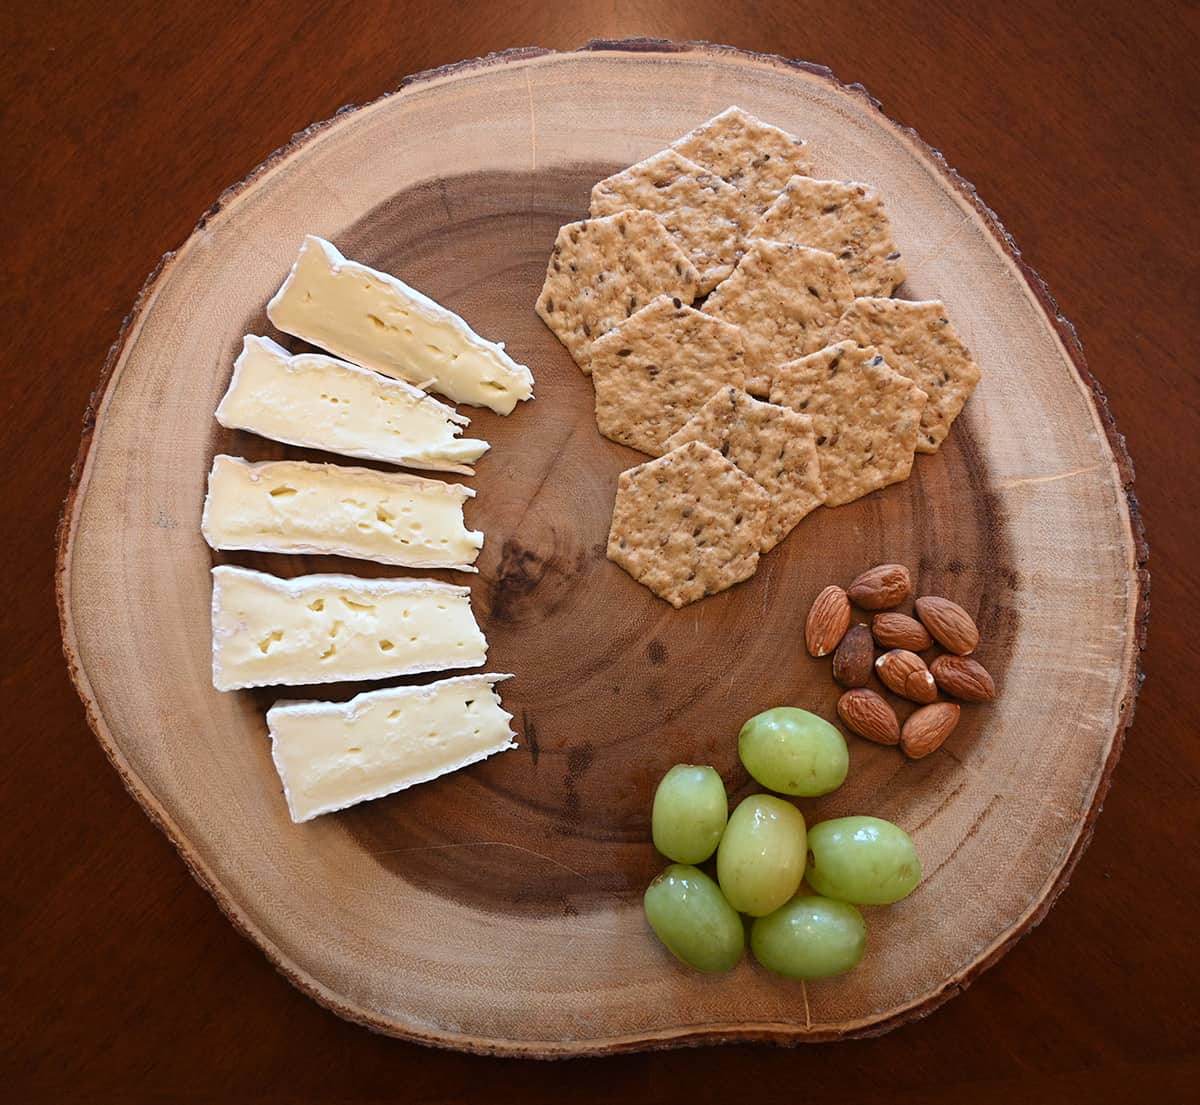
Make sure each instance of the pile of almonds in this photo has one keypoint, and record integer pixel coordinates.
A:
(900, 669)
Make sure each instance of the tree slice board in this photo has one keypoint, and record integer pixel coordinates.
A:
(499, 909)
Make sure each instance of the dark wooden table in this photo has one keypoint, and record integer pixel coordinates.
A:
(119, 978)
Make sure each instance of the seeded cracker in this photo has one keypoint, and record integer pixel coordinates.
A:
(847, 220)
(775, 446)
(865, 415)
(657, 368)
(755, 157)
(602, 270)
(787, 299)
(918, 341)
(688, 524)
(701, 212)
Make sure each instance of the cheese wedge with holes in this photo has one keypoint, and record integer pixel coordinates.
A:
(293, 506)
(379, 322)
(331, 755)
(325, 628)
(323, 403)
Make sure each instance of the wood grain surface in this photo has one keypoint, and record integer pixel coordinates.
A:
(122, 980)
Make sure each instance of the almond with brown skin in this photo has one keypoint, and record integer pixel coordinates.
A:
(964, 678)
(854, 657)
(949, 623)
(827, 622)
(921, 687)
(868, 714)
(880, 587)
(894, 630)
(904, 673)
(926, 729)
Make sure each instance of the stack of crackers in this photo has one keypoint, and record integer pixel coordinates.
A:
(735, 315)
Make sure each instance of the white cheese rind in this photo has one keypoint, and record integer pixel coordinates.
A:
(322, 403)
(294, 506)
(269, 631)
(331, 755)
(378, 321)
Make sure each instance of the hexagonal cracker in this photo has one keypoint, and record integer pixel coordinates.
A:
(786, 298)
(775, 446)
(865, 414)
(602, 270)
(706, 216)
(757, 158)
(688, 524)
(918, 341)
(658, 367)
(844, 218)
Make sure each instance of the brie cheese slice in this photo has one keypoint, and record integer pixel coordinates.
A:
(379, 322)
(293, 506)
(324, 628)
(331, 755)
(323, 403)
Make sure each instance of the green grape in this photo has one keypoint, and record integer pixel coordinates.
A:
(690, 810)
(810, 937)
(794, 752)
(688, 913)
(865, 860)
(760, 860)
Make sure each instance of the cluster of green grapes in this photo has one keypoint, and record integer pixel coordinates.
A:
(764, 852)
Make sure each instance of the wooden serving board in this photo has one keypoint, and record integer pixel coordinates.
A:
(499, 909)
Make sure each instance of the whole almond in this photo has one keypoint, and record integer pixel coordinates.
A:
(880, 587)
(926, 729)
(894, 630)
(904, 673)
(921, 687)
(963, 678)
(854, 656)
(827, 622)
(949, 623)
(868, 714)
